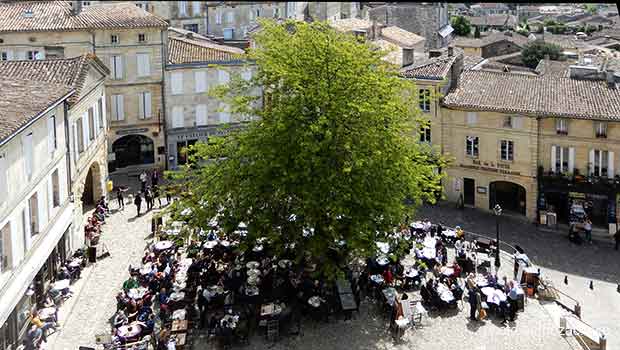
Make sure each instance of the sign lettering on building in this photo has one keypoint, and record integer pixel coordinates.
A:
(131, 131)
(491, 167)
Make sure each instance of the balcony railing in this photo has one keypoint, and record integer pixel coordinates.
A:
(580, 182)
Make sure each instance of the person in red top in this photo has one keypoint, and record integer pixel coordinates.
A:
(388, 277)
(457, 269)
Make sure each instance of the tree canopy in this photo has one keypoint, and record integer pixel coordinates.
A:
(461, 25)
(329, 160)
(535, 51)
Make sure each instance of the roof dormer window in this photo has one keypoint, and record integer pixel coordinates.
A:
(114, 39)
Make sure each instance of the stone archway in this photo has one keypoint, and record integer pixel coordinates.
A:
(509, 195)
(133, 150)
(92, 189)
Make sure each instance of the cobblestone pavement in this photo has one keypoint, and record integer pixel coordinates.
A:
(124, 235)
(558, 258)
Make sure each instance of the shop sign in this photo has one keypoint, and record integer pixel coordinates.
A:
(577, 195)
(481, 189)
(131, 131)
(500, 168)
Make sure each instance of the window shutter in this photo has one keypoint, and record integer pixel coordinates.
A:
(75, 143)
(113, 107)
(177, 83)
(591, 162)
(177, 117)
(196, 8)
(247, 74)
(9, 55)
(120, 107)
(201, 115)
(183, 8)
(103, 111)
(112, 65)
(86, 129)
(223, 76)
(21, 55)
(28, 161)
(200, 78)
(95, 120)
(141, 105)
(224, 114)
(50, 135)
(119, 67)
(3, 178)
(6, 264)
(610, 164)
(147, 104)
(553, 160)
(144, 65)
(571, 159)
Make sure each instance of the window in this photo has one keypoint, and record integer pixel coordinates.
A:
(33, 211)
(85, 3)
(118, 108)
(177, 83)
(141, 38)
(471, 146)
(276, 12)
(562, 159)
(116, 67)
(507, 122)
(34, 55)
(196, 8)
(472, 118)
(290, 9)
(218, 15)
(3, 178)
(26, 228)
(55, 189)
(182, 8)
(425, 134)
(230, 17)
(80, 135)
(191, 27)
(91, 123)
(506, 150)
(223, 77)
(600, 129)
(4, 56)
(144, 105)
(52, 143)
(200, 81)
(114, 39)
(100, 113)
(177, 117)
(228, 33)
(28, 154)
(561, 126)
(144, 64)
(246, 74)
(257, 13)
(425, 100)
(5, 248)
(601, 163)
(201, 115)
(224, 113)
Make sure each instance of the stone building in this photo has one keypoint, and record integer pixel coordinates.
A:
(35, 206)
(492, 45)
(429, 20)
(127, 39)
(537, 142)
(86, 122)
(493, 22)
(194, 66)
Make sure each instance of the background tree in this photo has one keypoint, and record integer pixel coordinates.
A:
(535, 51)
(331, 157)
(461, 25)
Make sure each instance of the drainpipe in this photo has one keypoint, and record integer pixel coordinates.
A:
(92, 34)
(162, 126)
(207, 20)
(538, 178)
(68, 144)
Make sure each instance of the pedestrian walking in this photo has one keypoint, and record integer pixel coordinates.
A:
(617, 238)
(168, 196)
(156, 195)
(120, 198)
(155, 178)
(148, 196)
(138, 202)
(588, 228)
(473, 302)
(143, 178)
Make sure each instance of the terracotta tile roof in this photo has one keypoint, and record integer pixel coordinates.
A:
(547, 96)
(184, 50)
(515, 38)
(350, 24)
(401, 37)
(22, 99)
(67, 71)
(44, 16)
(493, 20)
(470, 61)
(436, 68)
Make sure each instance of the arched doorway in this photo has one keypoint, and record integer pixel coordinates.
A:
(509, 195)
(92, 186)
(133, 150)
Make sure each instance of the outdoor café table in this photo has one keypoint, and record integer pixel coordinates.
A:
(146, 268)
(210, 244)
(225, 243)
(496, 297)
(129, 331)
(383, 247)
(231, 320)
(179, 326)
(177, 296)
(75, 262)
(270, 309)
(383, 260)
(447, 271)
(62, 284)
(418, 225)
(254, 272)
(429, 253)
(178, 338)
(253, 280)
(344, 287)
(411, 273)
(179, 314)
(251, 291)
(258, 248)
(314, 301)
(347, 301)
(284, 263)
(378, 279)
(444, 293)
(136, 293)
(252, 265)
(47, 312)
(481, 281)
(179, 286)
(163, 245)
(390, 295)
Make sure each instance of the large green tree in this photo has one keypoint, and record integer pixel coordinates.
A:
(461, 25)
(535, 51)
(333, 152)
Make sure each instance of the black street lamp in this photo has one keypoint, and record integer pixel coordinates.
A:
(498, 211)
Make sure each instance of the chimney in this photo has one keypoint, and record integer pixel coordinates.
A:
(434, 53)
(407, 56)
(76, 7)
(611, 79)
(450, 51)
(375, 30)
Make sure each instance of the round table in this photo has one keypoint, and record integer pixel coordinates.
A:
(75, 263)
(224, 243)
(377, 279)
(257, 249)
(129, 331)
(62, 284)
(136, 293)
(383, 260)
(254, 272)
(210, 244)
(177, 296)
(383, 247)
(314, 301)
(284, 263)
(179, 314)
(252, 265)
(251, 291)
(47, 312)
(163, 245)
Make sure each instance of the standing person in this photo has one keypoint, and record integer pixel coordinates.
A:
(155, 178)
(513, 296)
(617, 238)
(143, 178)
(149, 199)
(473, 303)
(588, 228)
(120, 198)
(138, 202)
(156, 195)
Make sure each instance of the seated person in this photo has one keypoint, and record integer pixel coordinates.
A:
(457, 269)
(120, 319)
(130, 283)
